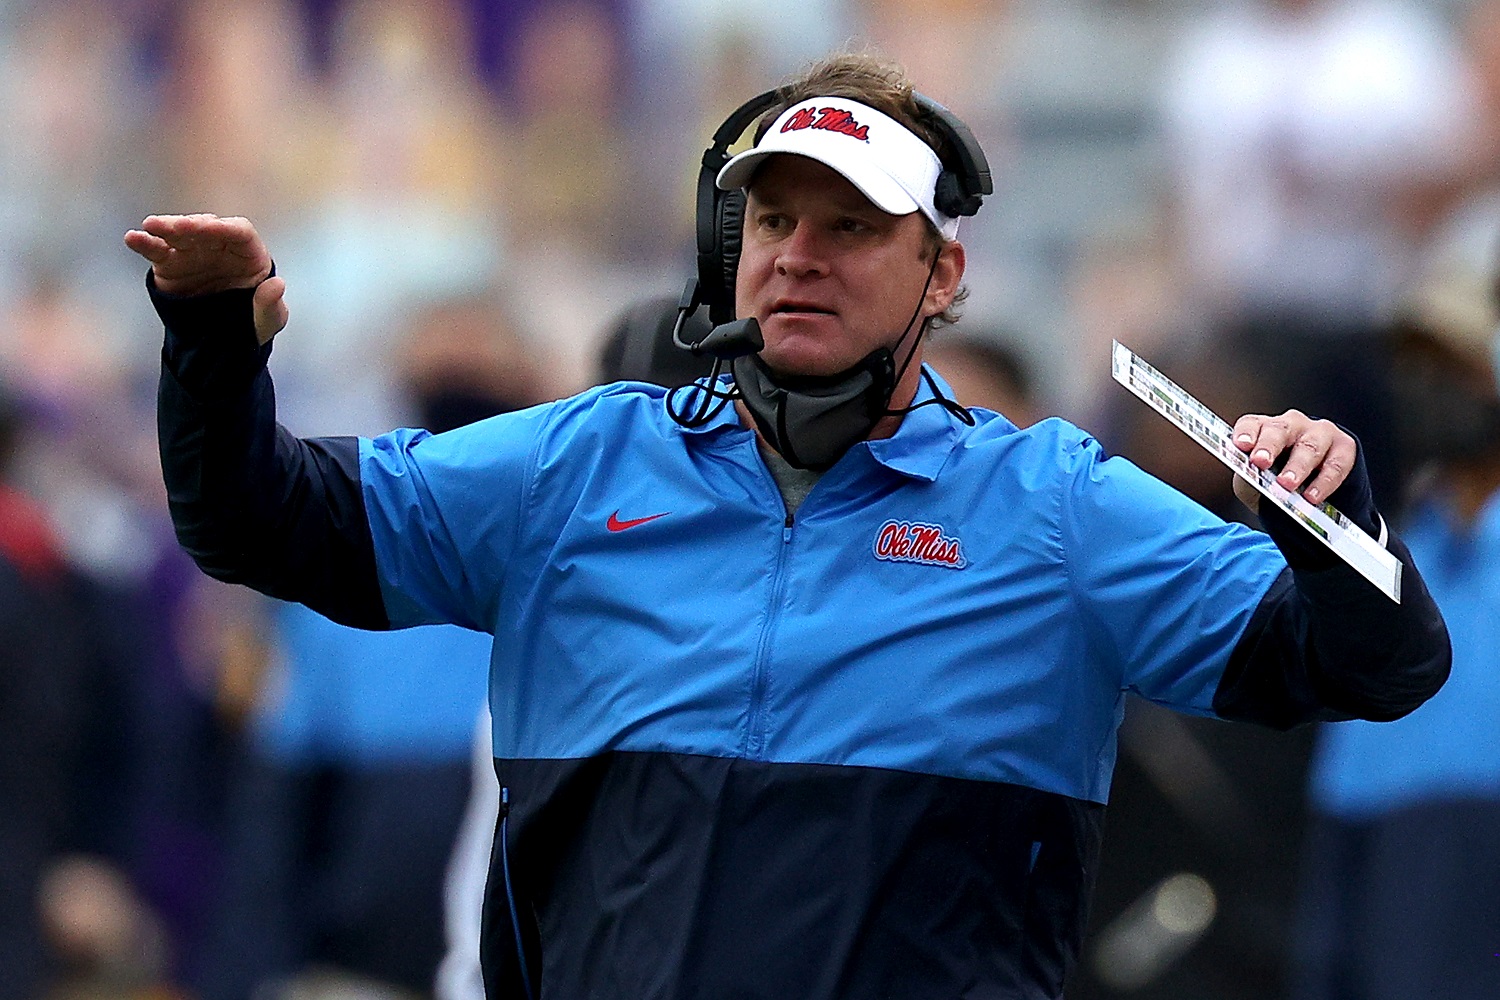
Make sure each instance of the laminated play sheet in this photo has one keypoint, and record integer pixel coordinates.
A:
(1368, 557)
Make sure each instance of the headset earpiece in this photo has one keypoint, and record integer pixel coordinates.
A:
(731, 229)
(962, 185)
(951, 199)
(721, 214)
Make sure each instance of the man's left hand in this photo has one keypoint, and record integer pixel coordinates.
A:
(1313, 448)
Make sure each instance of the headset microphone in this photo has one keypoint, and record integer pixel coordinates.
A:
(732, 340)
(726, 341)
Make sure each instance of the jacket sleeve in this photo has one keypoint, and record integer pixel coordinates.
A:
(251, 503)
(1326, 645)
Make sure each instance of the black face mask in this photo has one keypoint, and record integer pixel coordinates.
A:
(449, 407)
(813, 420)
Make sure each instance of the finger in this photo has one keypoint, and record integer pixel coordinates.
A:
(1307, 452)
(1247, 429)
(198, 228)
(179, 232)
(153, 248)
(1335, 468)
(1274, 435)
(166, 226)
(271, 313)
(1270, 441)
(232, 231)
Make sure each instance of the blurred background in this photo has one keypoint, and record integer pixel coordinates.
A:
(205, 795)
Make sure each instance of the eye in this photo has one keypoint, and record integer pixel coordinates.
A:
(771, 222)
(850, 224)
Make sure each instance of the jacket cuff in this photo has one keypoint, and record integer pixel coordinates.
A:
(210, 345)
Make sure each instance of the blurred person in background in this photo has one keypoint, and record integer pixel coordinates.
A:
(42, 709)
(1301, 136)
(639, 347)
(398, 135)
(1479, 23)
(947, 44)
(71, 114)
(1121, 287)
(568, 168)
(988, 371)
(1401, 880)
(345, 808)
(106, 745)
(145, 812)
(214, 139)
(573, 220)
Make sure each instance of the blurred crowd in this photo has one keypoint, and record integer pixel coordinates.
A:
(204, 795)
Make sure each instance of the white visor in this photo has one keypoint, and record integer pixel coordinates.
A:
(889, 164)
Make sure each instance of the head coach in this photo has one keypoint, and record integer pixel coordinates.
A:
(805, 679)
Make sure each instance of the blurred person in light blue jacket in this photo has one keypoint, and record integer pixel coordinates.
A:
(345, 809)
(1401, 895)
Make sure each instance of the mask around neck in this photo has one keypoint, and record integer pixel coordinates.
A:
(812, 420)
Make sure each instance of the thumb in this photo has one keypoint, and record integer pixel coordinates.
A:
(270, 308)
(1248, 495)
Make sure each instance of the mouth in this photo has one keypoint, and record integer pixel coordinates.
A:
(793, 308)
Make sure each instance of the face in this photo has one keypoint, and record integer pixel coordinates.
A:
(829, 276)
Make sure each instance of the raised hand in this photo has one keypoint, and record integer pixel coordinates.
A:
(202, 254)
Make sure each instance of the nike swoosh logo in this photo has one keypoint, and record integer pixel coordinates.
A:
(615, 524)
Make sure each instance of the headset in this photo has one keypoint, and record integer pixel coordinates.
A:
(961, 187)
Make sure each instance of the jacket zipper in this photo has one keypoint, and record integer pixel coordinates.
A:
(755, 736)
(510, 896)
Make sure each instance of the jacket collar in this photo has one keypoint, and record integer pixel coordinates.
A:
(926, 437)
(727, 418)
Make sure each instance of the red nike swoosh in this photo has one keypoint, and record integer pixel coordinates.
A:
(615, 524)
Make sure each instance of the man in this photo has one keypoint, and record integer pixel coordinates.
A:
(756, 735)
(43, 717)
(1401, 885)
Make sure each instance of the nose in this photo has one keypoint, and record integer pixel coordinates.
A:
(802, 253)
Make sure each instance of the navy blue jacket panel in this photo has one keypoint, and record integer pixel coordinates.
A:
(675, 876)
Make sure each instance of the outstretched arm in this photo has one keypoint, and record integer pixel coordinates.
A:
(251, 503)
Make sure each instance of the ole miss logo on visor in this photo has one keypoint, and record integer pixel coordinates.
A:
(915, 542)
(829, 120)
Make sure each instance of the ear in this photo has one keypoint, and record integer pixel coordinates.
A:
(947, 277)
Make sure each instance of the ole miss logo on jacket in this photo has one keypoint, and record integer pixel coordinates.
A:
(913, 541)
